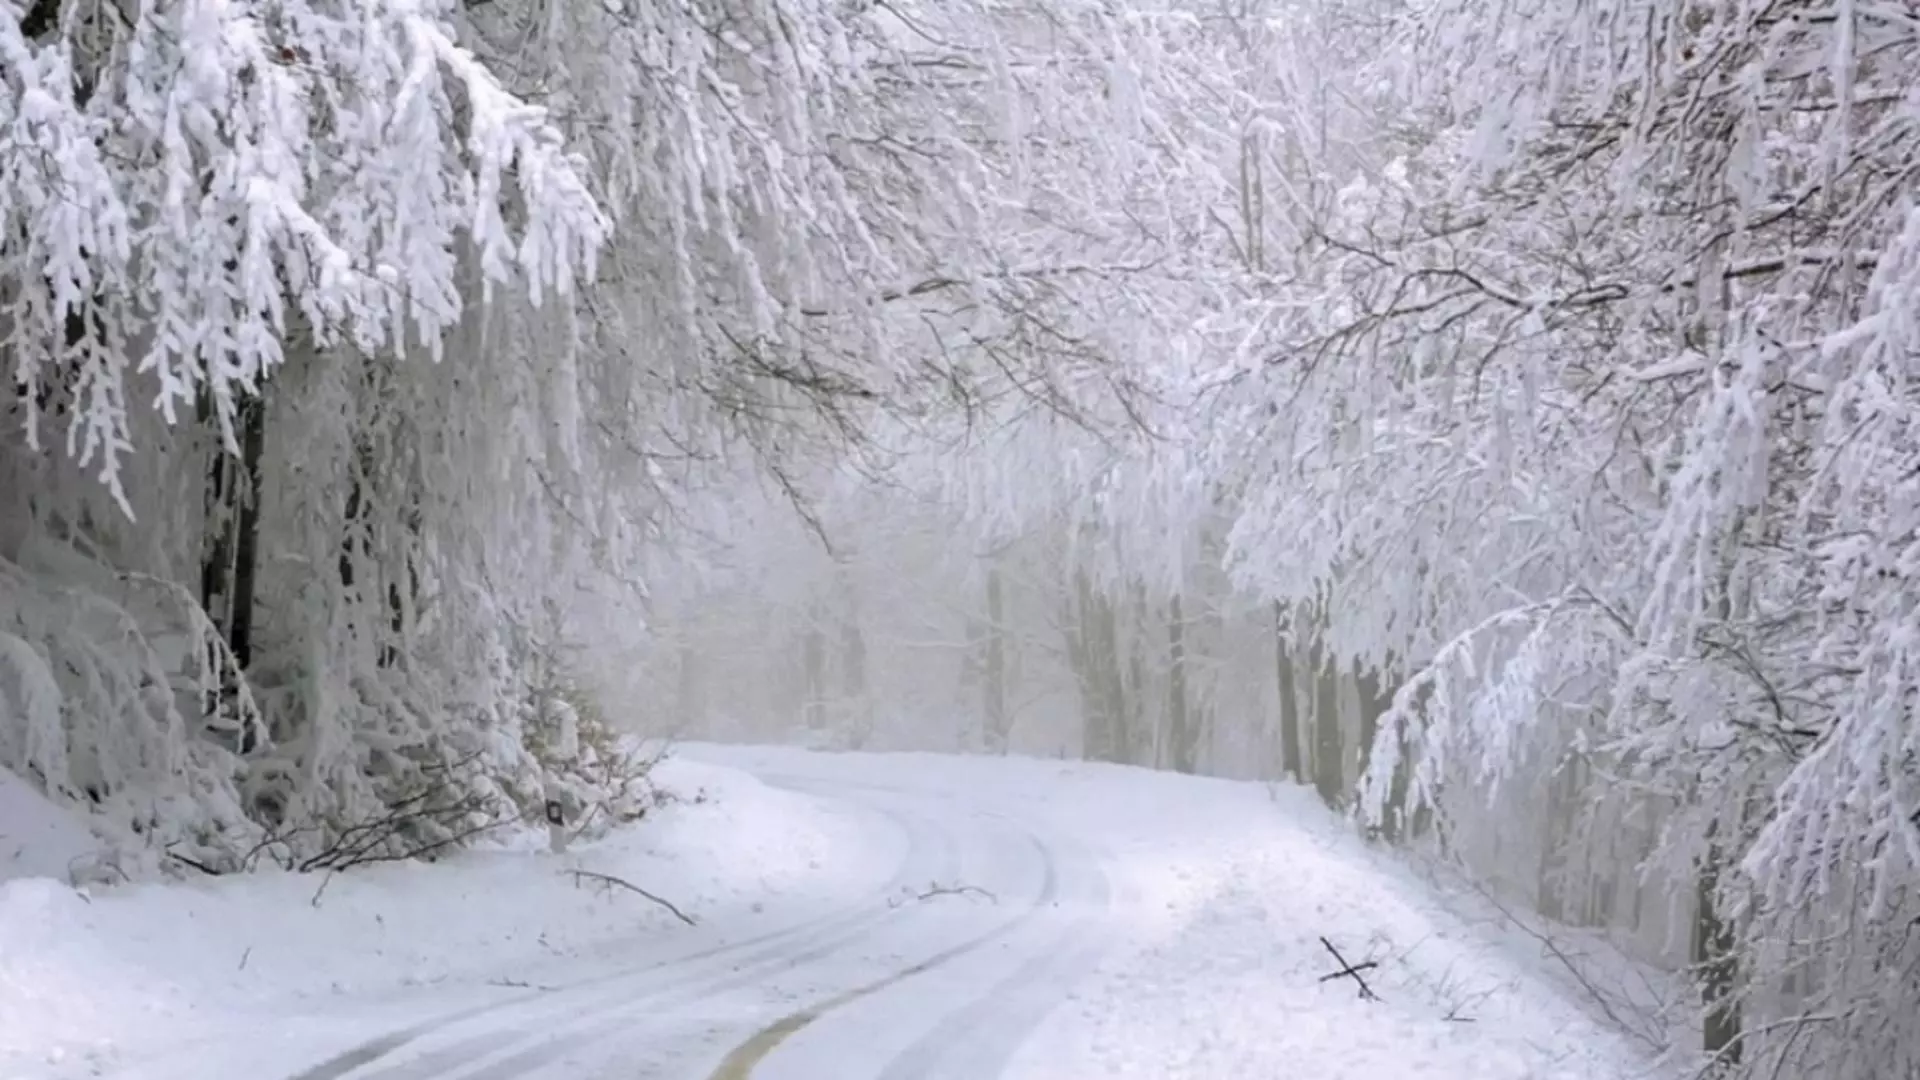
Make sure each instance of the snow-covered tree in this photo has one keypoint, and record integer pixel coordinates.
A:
(225, 230)
(369, 362)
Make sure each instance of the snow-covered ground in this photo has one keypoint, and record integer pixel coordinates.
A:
(895, 916)
(36, 838)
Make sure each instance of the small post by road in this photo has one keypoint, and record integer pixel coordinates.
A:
(556, 827)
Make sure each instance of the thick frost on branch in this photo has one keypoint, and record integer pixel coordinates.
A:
(173, 190)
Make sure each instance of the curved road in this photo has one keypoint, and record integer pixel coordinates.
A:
(985, 924)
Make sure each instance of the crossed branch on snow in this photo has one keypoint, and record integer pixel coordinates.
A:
(1351, 971)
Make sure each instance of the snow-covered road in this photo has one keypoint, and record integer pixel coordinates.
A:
(859, 916)
(938, 971)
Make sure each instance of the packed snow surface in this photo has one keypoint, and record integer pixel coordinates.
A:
(855, 915)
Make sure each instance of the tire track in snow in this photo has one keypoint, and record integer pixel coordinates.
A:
(865, 923)
(740, 1063)
(979, 1039)
(750, 959)
(545, 1033)
(671, 1027)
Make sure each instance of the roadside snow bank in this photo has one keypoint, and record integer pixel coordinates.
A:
(1241, 986)
(37, 838)
(90, 979)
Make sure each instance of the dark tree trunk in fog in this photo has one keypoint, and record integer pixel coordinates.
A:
(1291, 765)
(1102, 673)
(1136, 731)
(229, 563)
(1716, 967)
(853, 675)
(813, 664)
(216, 560)
(1329, 773)
(1376, 697)
(993, 688)
(246, 542)
(1182, 735)
(1556, 828)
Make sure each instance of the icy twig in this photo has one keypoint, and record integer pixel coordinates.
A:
(608, 881)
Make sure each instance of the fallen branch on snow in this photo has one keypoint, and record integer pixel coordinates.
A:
(607, 882)
(437, 817)
(1351, 971)
(517, 984)
(195, 863)
(1354, 970)
(935, 889)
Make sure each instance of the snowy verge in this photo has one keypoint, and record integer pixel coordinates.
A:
(93, 979)
(37, 838)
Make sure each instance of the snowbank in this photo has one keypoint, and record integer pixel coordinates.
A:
(37, 838)
(92, 979)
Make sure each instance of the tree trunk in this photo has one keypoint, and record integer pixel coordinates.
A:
(1394, 826)
(1183, 739)
(1291, 765)
(1550, 888)
(216, 559)
(1328, 766)
(246, 545)
(1605, 848)
(229, 561)
(1646, 835)
(1375, 699)
(1093, 648)
(853, 676)
(1714, 961)
(993, 687)
(1079, 634)
(813, 662)
(1136, 727)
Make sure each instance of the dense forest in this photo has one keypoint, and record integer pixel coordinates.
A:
(1504, 419)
